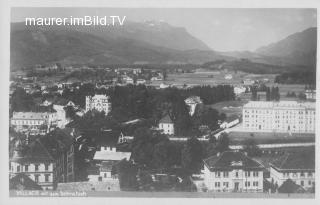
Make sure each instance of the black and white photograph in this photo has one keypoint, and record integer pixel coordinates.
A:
(162, 102)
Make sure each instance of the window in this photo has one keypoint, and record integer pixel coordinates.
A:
(237, 174)
(217, 184)
(18, 168)
(217, 174)
(36, 167)
(309, 174)
(247, 174)
(302, 183)
(226, 184)
(36, 178)
(309, 182)
(105, 175)
(302, 174)
(46, 167)
(47, 177)
(26, 168)
(255, 174)
(225, 174)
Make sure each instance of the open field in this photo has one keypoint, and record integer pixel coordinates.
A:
(212, 78)
(237, 138)
(229, 107)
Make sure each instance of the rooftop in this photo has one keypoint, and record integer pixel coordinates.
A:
(280, 104)
(30, 115)
(166, 119)
(111, 155)
(303, 160)
(230, 160)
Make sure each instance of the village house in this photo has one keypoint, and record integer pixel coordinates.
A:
(192, 103)
(99, 103)
(46, 160)
(233, 171)
(166, 125)
(230, 121)
(297, 166)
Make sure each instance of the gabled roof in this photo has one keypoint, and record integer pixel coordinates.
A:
(230, 160)
(23, 182)
(166, 119)
(33, 152)
(303, 160)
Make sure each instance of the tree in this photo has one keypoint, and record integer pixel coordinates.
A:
(191, 156)
(161, 155)
(251, 148)
(223, 142)
(268, 94)
(127, 173)
(21, 101)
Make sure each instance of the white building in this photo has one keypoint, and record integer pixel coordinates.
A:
(233, 171)
(230, 121)
(298, 166)
(310, 94)
(46, 161)
(108, 153)
(239, 89)
(99, 103)
(283, 116)
(192, 103)
(166, 125)
(228, 77)
(141, 81)
(248, 82)
(33, 122)
(102, 172)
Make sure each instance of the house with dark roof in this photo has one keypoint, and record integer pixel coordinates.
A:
(233, 171)
(297, 166)
(46, 160)
(166, 125)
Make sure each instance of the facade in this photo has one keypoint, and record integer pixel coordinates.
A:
(99, 103)
(283, 116)
(192, 103)
(166, 125)
(33, 122)
(233, 171)
(299, 167)
(310, 94)
(103, 172)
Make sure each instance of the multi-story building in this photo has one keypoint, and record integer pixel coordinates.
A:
(99, 103)
(46, 160)
(310, 94)
(298, 166)
(283, 116)
(33, 122)
(166, 125)
(233, 171)
(192, 103)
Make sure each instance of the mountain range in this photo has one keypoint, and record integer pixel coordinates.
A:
(142, 43)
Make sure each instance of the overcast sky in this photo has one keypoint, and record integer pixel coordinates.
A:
(220, 29)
